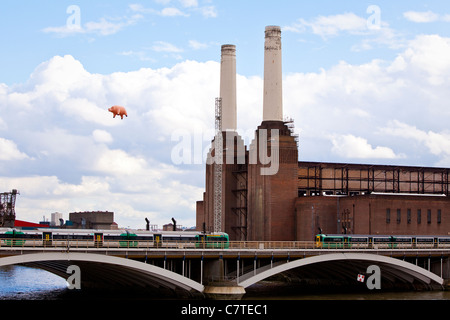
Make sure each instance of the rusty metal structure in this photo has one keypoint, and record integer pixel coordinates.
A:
(319, 178)
(7, 208)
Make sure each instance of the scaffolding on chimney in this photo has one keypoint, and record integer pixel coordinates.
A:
(241, 192)
(218, 150)
(289, 122)
(7, 208)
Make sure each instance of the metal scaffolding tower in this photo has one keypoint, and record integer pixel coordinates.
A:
(7, 208)
(218, 150)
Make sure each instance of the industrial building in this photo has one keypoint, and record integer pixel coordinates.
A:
(103, 220)
(261, 192)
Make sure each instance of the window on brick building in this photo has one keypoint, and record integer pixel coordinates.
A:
(399, 215)
(419, 216)
(428, 216)
(408, 216)
(439, 216)
(388, 215)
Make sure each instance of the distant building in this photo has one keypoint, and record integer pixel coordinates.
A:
(55, 219)
(93, 220)
(169, 227)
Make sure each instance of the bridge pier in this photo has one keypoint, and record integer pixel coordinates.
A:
(224, 290)
(219, 287)
(442, 268)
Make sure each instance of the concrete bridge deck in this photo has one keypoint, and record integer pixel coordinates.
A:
(194, 269)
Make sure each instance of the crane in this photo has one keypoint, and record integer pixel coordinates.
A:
(218, 147)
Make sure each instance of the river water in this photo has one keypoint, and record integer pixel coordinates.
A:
(23, 283)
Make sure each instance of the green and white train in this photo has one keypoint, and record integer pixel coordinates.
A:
(343, 241)
(112, 238)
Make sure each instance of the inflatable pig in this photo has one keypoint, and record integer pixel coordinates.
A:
(118, 111)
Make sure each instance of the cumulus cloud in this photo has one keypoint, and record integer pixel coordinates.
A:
(349, 146)
(359, 100)
(422, 16)
(9, 151)
(66, 153)
(437, 143)
(71, 144)
(372, 29)
(425, 16)
(102, 136)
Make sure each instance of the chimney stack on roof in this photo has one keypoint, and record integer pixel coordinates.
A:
(272, 101)
(228, 87)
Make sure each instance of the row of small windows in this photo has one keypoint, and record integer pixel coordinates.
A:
(408, 216)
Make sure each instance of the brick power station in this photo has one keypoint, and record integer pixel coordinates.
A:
(263, 193)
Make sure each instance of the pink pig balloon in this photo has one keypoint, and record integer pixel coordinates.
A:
(118, 111)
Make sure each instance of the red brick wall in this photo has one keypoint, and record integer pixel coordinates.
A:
(314, 213)
(271, 198)
(366, 214)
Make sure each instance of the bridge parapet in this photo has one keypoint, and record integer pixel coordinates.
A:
(233, 245)
(243, 265)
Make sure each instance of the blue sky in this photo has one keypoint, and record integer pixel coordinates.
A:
(365, 81)
(192, 30)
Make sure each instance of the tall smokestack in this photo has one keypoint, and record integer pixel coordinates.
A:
(228, 87)
(273, 101)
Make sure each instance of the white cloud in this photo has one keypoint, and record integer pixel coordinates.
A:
(172, 12)
(208, 11)
(437, 143)
(102, 136)
(103, 27)
(196, 45)
(423, 16)
(331, 25)
(189, 6)
(87, 160)
(118, 162)
(189, 3)
(428, 55)
(162, 46)
(9, 151)
(3, 125)
(372, 33)
(141, 55)
(349, 146)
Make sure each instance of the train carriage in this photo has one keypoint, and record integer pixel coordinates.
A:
(443, 242)
(401, 242)
(47, 237)
(359, 241)
(422, 242)
(381, 241)
(330, 241)
(215, 240)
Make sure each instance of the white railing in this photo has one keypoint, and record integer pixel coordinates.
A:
(241, 245)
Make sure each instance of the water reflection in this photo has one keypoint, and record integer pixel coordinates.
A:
(22, 283)
(273, 290)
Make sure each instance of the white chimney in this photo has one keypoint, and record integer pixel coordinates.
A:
(273, 101)
(228, 87)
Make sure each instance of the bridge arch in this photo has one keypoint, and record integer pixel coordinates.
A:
(390, 268)
(105, 268)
